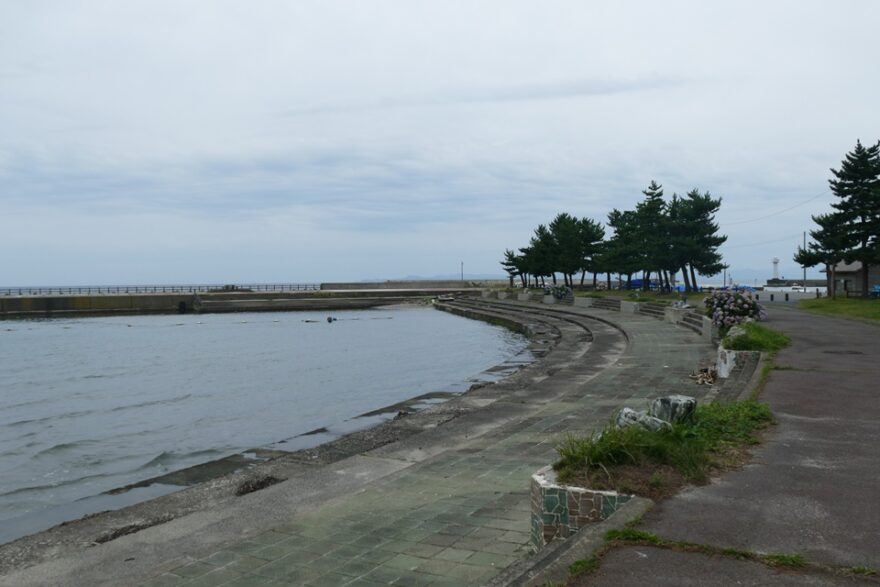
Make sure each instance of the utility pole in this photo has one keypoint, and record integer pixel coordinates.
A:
(462, 270)
(805, 267)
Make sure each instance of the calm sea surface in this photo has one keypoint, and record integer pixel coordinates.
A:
(92, 404)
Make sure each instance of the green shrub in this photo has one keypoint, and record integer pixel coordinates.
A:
(757, 338)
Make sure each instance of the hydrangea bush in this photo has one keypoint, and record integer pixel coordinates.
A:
(560, 292)
(728, 308)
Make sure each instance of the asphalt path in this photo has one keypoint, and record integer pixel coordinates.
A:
(813, 487)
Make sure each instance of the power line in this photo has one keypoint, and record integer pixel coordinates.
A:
(778, 212)
(778, 240)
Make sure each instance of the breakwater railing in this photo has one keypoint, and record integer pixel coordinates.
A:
(155, 289)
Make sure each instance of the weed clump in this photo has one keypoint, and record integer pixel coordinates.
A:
(757, 338)
(655, 463)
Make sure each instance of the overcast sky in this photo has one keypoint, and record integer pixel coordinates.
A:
(212, 141)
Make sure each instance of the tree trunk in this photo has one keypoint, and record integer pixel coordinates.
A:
(865, 268)
(608, 280)
(629, 279)
(694, 279)
(833, 281)
(583, 276)
(684, 277)
(666, 280)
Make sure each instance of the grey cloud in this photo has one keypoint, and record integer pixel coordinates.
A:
(560, 90)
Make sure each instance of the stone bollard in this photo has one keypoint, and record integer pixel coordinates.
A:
(551, 299)
(629, 417)
(674, 408)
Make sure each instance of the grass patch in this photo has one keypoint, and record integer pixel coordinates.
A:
(784, 560)
(656, 464)
(587, 565)
(737, 553)
(867, 309)
(866, 571)
(757, 338)
(632, 535)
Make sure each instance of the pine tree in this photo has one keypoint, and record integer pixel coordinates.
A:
(543, 250)
(652, 230)
(591, 235)
(511, 265)
(828, 246)
(702, 232)
(624, 253)
(567, 245)
(857, 184)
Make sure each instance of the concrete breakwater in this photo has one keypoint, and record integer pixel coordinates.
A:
(223, 301)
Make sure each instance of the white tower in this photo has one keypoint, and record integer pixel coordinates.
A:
(775, 267)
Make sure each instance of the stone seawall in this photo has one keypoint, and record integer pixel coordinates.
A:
(25, 306)
(160, 303)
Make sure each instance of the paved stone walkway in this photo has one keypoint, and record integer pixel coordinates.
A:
(813, 488)
(461, 515)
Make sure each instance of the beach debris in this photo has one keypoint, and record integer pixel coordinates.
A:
(331, 319)
(132, 528)
(257, 483)
(704, 376)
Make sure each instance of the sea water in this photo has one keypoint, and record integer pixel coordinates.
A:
(91, 404)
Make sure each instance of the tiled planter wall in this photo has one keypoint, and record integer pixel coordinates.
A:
(558, 511)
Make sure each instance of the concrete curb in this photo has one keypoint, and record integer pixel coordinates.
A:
(551, 563)
(752, 384)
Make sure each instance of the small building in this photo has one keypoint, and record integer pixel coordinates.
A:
(849, 277)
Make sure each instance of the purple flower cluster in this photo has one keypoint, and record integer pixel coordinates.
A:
(727, 308)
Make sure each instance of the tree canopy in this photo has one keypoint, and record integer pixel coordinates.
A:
(852, 231)
(656, 237)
